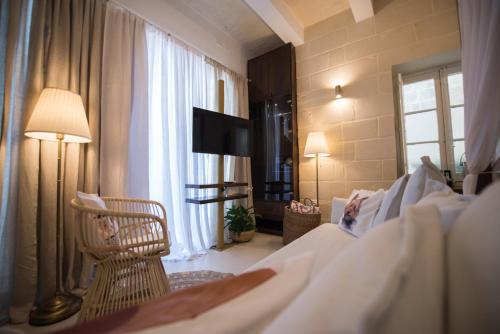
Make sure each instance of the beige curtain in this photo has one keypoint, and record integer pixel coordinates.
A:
(65, 52)
(14, 27)
(124, 129)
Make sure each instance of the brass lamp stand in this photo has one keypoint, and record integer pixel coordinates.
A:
(62, 305)
(59, 115)
(316, 146)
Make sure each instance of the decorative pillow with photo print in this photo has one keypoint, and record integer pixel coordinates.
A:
(360, 211)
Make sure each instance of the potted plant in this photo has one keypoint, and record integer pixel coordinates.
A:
(240, 223)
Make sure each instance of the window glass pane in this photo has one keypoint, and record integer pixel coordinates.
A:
(456, 89)
(458, 151)
(414, 152)
(419, 95)
(457, 122)
(421, 127)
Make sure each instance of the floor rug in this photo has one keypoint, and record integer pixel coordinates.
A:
(187, 279)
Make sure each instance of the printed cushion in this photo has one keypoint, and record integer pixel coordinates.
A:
(360, 211)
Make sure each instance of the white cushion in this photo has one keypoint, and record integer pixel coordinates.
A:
(449, 203)
(416, 184)
(474, 266)
(368, 209)
(106, 229)
(433, 186)
(254, 309)
(91, 200)
(338, 205)
(469, 184)
(388, 281)
(392, 201)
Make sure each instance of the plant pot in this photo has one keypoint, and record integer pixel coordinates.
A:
(243, 236)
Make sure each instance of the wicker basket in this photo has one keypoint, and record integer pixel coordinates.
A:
(296, 224)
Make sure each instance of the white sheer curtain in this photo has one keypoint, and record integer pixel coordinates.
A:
(480, 30)
(180, 78)
(124, 116)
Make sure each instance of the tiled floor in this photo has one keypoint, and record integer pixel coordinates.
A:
(234, 259)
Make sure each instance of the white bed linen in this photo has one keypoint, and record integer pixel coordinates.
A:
(253, 310)
(325, 240)
(369, 287)
(474, 266)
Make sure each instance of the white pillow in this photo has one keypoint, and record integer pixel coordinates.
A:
(449, 203)
(254, 309)
(338, 205)
(416, 184)
(473, 250)
(91, 200)
(367, 211)
(106, 230)
(433, 186)
(392, 201)
(388, 281)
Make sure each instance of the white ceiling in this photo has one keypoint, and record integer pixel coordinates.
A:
(235, 19)
(312, 11)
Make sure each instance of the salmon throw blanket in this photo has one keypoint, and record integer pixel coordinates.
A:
(180, 305)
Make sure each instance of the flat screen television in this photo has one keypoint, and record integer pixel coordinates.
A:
(218, 133)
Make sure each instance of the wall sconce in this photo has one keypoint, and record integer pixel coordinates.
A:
(338, 92)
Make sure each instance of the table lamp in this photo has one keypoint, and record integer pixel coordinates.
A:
(59, 115)
(316, 147)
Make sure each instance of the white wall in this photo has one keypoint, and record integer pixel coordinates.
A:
(196, 33)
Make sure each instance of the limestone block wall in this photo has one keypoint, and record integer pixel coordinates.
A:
(360, 127)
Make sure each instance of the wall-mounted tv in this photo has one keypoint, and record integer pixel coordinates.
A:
(218, 133)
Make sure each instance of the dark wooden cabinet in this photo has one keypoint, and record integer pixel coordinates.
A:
(272, 97)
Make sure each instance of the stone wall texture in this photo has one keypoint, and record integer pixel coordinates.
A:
(359, 56)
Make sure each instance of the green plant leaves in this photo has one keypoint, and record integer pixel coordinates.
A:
(239, 219)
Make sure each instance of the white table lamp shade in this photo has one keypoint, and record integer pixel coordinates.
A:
(59, 111)
(316, 145)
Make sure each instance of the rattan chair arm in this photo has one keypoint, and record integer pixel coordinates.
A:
(125, 214)
(114, 213)
(135, 200)
(138, 201)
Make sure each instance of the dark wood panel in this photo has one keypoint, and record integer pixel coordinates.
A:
(280, 74)
(214, 199)
(257, 71)
(216, 185)
(272, 97)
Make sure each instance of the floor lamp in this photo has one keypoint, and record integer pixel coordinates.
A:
(59, 116)
(316, 147)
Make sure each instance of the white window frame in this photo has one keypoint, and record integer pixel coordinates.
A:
(444, 72)
(443, 113)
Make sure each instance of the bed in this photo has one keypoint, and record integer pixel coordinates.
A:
(433, 269)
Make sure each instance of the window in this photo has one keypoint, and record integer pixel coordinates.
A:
(432, 118)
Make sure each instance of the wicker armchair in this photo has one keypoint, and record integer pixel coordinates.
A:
(126, 241)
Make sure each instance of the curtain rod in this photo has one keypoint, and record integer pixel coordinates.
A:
(176, 38)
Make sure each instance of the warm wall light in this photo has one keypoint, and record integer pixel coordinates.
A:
(338, 92)
(316, 146)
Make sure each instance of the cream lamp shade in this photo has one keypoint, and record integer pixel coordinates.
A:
(316, 145)
(59, 112)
